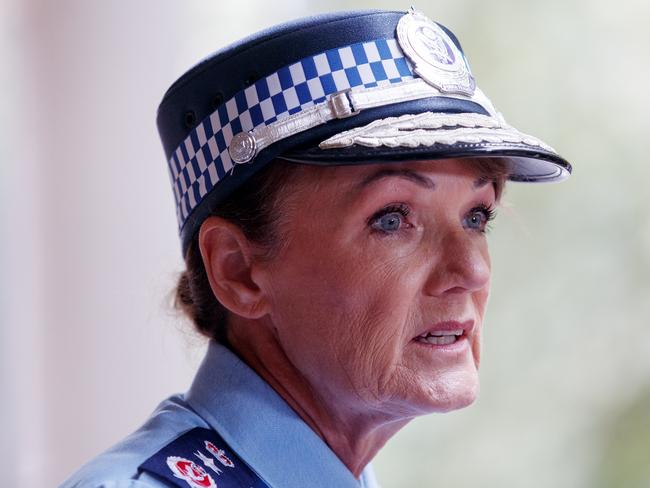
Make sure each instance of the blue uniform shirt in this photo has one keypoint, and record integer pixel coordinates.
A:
(257, 424)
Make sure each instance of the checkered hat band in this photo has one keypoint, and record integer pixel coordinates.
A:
(202, 159)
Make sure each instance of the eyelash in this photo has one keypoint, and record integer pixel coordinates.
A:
(400, 208)
(488, 211)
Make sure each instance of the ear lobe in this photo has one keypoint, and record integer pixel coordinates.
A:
(228, 259)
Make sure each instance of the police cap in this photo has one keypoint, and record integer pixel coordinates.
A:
(342, 88)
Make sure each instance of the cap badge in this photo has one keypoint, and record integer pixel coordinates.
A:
(435, 57)
(242, 148)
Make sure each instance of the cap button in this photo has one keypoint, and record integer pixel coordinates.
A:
(242, 148)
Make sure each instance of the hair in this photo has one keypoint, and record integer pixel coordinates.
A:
(254, 208)
(494, 169)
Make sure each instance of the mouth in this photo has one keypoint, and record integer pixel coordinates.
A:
(445, 333)
(441, 338)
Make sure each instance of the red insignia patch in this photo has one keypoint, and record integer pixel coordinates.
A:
(191, 472)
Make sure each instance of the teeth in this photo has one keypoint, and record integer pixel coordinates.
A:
(441, 333)
(441, 340)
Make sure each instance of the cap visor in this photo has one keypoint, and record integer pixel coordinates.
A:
(439, 136)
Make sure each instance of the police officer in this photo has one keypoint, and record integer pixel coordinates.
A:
(345, 90)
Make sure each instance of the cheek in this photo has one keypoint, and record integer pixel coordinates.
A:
(480, 299)
(373, 343)
(476, 348)
(343, 319)
(479, 296)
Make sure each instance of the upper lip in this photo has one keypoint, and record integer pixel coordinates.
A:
(465, 326)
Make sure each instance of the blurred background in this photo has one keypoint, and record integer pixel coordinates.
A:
(89, 343)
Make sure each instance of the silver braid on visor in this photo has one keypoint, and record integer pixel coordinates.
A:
(429, 128)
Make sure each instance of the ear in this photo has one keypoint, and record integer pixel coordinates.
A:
(228, 260)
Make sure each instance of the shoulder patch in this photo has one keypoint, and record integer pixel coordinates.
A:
(200, 458)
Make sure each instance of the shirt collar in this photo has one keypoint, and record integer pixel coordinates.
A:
(261, 427)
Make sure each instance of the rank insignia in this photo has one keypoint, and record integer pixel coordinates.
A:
(201, 458)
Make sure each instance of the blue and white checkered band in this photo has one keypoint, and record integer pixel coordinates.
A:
(203, 159)
(337, 83)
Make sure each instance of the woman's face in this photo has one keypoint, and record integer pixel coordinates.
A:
(379, 290)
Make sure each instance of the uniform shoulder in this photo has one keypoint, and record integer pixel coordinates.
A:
(118, 466)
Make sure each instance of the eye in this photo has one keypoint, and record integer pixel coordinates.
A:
(478, 217)
(390, 219)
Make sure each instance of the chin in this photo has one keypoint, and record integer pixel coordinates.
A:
(456, 392)
(466, 399)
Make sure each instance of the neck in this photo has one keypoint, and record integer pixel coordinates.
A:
(354, 433)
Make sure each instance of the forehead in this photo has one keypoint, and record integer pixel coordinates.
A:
(311, 188)
(423, 173)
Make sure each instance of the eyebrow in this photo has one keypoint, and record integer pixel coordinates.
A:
(482, 181)
(407, 174)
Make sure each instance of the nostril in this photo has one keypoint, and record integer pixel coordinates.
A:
(456, 289)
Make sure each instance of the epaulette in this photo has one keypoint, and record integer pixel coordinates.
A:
(200, 458)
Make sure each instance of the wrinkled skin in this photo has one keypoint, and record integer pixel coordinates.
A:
(343, 299)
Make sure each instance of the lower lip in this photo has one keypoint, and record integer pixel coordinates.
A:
(459, 345)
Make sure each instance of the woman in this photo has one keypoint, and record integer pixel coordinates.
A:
(334, 179)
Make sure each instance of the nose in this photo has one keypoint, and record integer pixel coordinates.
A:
(460, 264)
